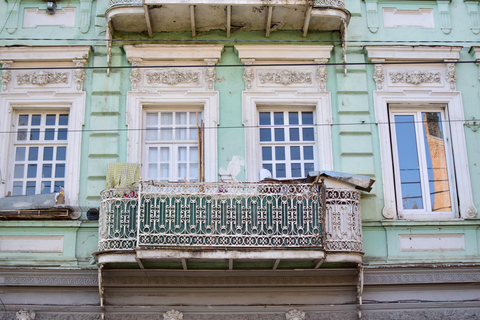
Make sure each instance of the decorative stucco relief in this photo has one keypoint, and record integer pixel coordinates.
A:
(210, 73)
(378, 73)
(285, 77)
(51, 280)
(248, 74)
(6, 74)
(426, 276)
(415, 77)
(450, 75)
(295, 314)
(172, 77)
(173, 315)
(79, 76)
(25, 315)
(135, 74)
(42, 78)
(321, 75)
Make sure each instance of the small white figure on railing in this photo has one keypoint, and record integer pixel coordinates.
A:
(295, 314)
(25, 315)
(173, 315)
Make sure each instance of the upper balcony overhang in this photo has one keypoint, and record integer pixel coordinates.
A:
(265, 225)
(152, 16)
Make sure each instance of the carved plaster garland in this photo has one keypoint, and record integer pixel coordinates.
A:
(248, 74)
(210, 73)
(173, 77)
(415, 77)
(378, 73)
(173, 315)
(42, 78)
(135, 74)
(25, 315)
(321, 75)
(79, 76)
(6, 74)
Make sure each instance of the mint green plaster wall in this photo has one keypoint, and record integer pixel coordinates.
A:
(231, 134)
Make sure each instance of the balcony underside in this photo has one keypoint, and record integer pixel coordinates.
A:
(225, 259)
(156, 16)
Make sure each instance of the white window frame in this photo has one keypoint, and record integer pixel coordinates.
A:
(426, 212)
(206, 101)
(318, 102)
(454, 111)
(31, 102)
(173, 145)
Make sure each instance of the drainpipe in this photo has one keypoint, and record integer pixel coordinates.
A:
(359, 291)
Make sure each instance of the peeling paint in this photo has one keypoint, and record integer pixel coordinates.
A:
(233, 169)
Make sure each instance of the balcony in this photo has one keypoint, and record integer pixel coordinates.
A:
(267, 225)
(152, 16)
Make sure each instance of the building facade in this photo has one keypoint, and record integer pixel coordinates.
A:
(239, 160)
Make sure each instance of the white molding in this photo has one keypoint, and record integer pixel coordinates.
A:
(422, 18)
(162, 52)
(208, 100)
(454, 110)
(283, 52)
(417, 53)
(320, 102)
(50, 54)
(45, 100)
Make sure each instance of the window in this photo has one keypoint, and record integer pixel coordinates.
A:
(171, 145)
(287, 140)
(422, 160)
(40, 150)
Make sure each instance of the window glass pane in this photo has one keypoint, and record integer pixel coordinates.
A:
(294, 134)
(182, 171)
(48, 153)
(22, 134)
(49, 134)
(61, 153)
(194, 171)
(46, 186)
(193, 118)
(264, 118)
(268, 167)
(307, 118)
(278, 118)
(35, 134)
(31, 187)
(181, 118)
(33, 154)
(164, 170)
(164, 154)
(181, 133)
(152, 119)
(62, 134)
(23, 120)
(47, 171)
(266, 153)
(17, 188)
(408, 162)
(18, 171)
(60, 170)
(36, 119)
(193, 133)
(280, 170)
(58, 186)
(308, 167)
(51, 119)
(265, 135)
(279, 153)
(63, 119)
(166, 134)
(293, 117)
(296, 170)
(151, 134)
(308, 134)
(182, 154)
(166, 118)
(152, 154)
(20, 154)
(295, 153)
(32, 171)
(152, 171)
(279, 134)
(194, 154)
(308, 153)
(436, 162)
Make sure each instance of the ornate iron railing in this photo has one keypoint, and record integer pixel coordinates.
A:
(329, 3)
(120, 3)
(237, 215)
